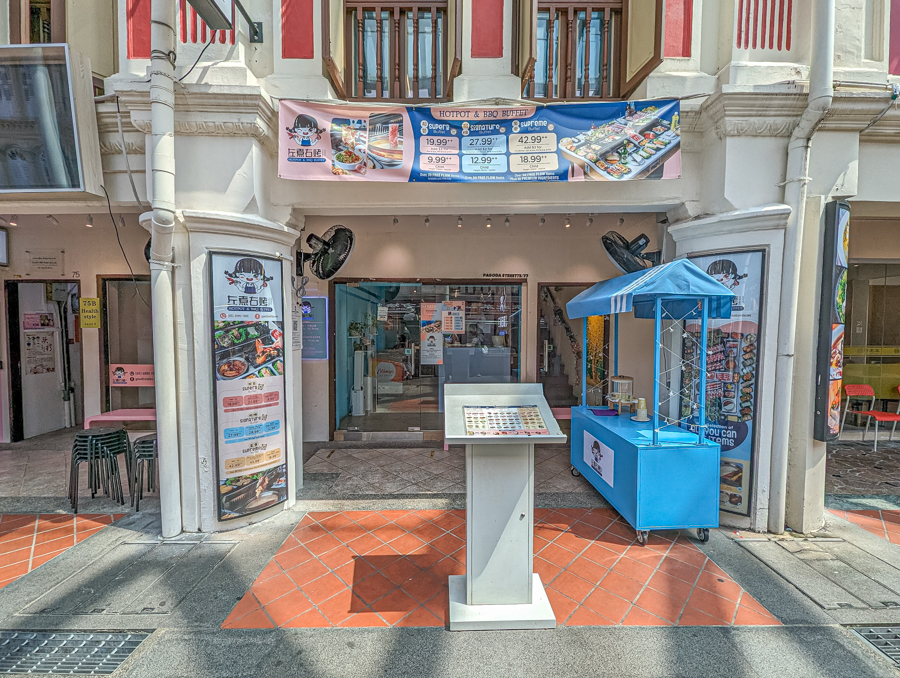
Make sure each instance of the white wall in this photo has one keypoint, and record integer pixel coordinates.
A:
(89, 252)
(548, 254)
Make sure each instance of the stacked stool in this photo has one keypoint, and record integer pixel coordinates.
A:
(144, 456)
(100, 449)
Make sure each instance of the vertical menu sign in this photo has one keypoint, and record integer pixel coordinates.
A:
(248, 345)
(832, 318)
(732, 369)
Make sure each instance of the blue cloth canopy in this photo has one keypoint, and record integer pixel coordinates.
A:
(680, 284)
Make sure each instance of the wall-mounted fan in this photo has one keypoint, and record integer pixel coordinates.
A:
(329, 252)
(629, 257)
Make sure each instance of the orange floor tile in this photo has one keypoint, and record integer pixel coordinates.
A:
(390, 568)
(884, 524)
(28, 540)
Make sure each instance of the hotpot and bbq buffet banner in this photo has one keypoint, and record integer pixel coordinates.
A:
(609, 141)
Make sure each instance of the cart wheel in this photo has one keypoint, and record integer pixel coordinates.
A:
(575, 471)
(703, 534)
(642, 536)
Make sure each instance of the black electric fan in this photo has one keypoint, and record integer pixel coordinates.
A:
(329, 252)
(629, 257)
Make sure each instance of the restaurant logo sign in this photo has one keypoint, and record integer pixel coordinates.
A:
(248, 350)
(603, 141)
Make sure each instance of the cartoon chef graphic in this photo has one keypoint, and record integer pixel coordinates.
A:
(306, 130)
(249, 276)
(726, 272)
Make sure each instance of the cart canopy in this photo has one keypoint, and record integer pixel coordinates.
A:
(680, 284)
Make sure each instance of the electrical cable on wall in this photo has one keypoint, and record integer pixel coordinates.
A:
(118, 240)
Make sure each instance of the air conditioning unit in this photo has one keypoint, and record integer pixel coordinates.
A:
(48, 125)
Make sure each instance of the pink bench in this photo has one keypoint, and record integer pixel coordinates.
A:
(142, 414)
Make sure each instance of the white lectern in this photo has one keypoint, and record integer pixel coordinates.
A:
(499, 424)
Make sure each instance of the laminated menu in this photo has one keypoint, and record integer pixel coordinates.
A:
(524, 420)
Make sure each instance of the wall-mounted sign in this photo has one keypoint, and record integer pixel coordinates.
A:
(248, 346)
(45, 263)
(89, 316)
(832, 319)
(315, 328)
(431, 349)
(732, 369)
(37, 321)
(40, 352)
(608, 141)
(131, 375)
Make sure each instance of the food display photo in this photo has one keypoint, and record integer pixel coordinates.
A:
(247, 350)
(253, 492)
(349, 141)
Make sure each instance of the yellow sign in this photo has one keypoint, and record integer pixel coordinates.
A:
(90, 313)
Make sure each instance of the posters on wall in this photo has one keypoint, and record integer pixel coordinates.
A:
(731, 372)
(832, 319)
(431, 348)
(601, 141)
(46, 263)
(131, 375)
(453, 317)
(38, 321)
(40, 352)
(314, 320)
(248, 345)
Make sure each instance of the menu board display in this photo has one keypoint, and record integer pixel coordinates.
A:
(603, 141)
(832, 321)
(248, 345)
(732, 368)
(525, 420)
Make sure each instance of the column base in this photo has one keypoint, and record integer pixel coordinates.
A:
(537, 615)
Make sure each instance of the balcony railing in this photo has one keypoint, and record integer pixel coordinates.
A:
(577, 51)
(397, 52)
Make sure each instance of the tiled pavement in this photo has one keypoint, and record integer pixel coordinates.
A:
(28, 540)
(884, 524)
(390, 568)
(426, 471)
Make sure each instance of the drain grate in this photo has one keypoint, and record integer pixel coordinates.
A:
(885, 638)
(82, 654)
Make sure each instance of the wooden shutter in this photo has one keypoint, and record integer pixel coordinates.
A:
(454, 44)
(333, 24)
(641, 43)
(526, 38)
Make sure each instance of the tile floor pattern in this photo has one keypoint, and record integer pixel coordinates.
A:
(390, 568)
(430, 471)
(854, 467)
(28, 540)
(884, 524)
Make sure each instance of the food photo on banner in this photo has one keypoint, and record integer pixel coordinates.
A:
(603, 141)
(248, 345)
(732, 371)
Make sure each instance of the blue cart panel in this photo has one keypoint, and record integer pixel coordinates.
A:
(673, 485)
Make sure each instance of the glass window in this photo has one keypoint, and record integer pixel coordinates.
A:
(127, 338)
(397, 344)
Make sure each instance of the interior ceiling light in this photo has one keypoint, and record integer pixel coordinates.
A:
(590, 221)
(53, 220)
(14, 220)
(487, 223)
(506, 223)
(543, 221)
(459, 222)
(621, 220)
(121, 221)
(568, 221)
(89, 222)
(396, 221)
(427, 222)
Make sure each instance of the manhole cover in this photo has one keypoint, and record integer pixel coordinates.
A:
(91, 654)
(885, 638)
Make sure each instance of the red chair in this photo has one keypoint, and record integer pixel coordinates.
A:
(863, 391)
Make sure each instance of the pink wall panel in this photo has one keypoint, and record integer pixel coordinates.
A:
(138, 15)
(487, 29)
(679, 18)
(894, 54)
(297, 29)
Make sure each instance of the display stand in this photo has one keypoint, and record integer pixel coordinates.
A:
(664, 473)
(499, 424)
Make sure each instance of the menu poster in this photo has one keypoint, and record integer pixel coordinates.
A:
(597, 141)
(832, 319)
(40, 352)
(732, 365)
(453, 317)
(248, 345)
(431, 348)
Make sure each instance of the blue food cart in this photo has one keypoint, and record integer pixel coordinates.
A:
(663, 473)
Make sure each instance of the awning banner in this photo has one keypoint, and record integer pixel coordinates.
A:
(603, 141)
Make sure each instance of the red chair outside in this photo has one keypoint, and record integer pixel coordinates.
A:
(864, 391)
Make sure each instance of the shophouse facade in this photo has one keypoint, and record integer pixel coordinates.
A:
(784, 107)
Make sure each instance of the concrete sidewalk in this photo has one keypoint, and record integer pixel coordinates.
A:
(181, 591)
